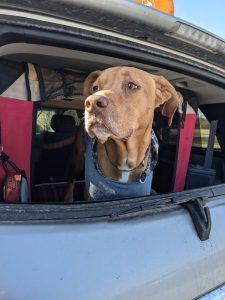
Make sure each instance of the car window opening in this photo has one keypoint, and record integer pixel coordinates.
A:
(38, 136)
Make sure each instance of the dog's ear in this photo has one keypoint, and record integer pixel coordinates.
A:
(167, 98)
(89, 81)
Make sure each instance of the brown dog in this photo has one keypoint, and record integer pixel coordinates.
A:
(119, 111)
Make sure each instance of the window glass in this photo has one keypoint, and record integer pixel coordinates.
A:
(44, 120)
(44, 117)
(168, 135)
(201, 134)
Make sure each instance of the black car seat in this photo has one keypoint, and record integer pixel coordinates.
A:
(56, 150)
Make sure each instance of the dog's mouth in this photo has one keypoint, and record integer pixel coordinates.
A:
(98, 129)
(101, 131)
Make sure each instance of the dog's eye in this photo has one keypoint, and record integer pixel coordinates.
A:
(95, 88)
(132, 86)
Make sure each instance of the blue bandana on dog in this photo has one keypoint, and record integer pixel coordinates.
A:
(102, 188)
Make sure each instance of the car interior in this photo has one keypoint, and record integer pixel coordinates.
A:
(55, 124)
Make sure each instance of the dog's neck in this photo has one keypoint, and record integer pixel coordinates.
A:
(124, 161)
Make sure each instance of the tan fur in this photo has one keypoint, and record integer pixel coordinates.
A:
(122, 122)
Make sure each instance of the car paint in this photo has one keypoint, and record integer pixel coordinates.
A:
(152, 257)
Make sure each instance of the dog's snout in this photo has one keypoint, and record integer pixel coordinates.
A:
(102, 102)
(96, 103)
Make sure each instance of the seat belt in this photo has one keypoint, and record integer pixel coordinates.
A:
(210, 146)
(198, 175)
(187, 121)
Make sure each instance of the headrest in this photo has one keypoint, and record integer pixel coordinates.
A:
(63, 123)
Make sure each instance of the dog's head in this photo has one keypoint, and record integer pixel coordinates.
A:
(121, 101)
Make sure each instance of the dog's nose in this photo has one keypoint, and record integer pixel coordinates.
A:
(97, 103)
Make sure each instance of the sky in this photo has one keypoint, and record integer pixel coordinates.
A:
(208, 14)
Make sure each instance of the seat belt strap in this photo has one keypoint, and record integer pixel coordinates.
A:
(185, 139)
(210, 146)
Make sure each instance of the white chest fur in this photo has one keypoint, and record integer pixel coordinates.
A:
(124, 173)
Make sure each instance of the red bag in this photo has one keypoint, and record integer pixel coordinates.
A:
(12, 181)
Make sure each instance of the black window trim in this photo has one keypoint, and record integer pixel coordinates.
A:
(113, 210)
